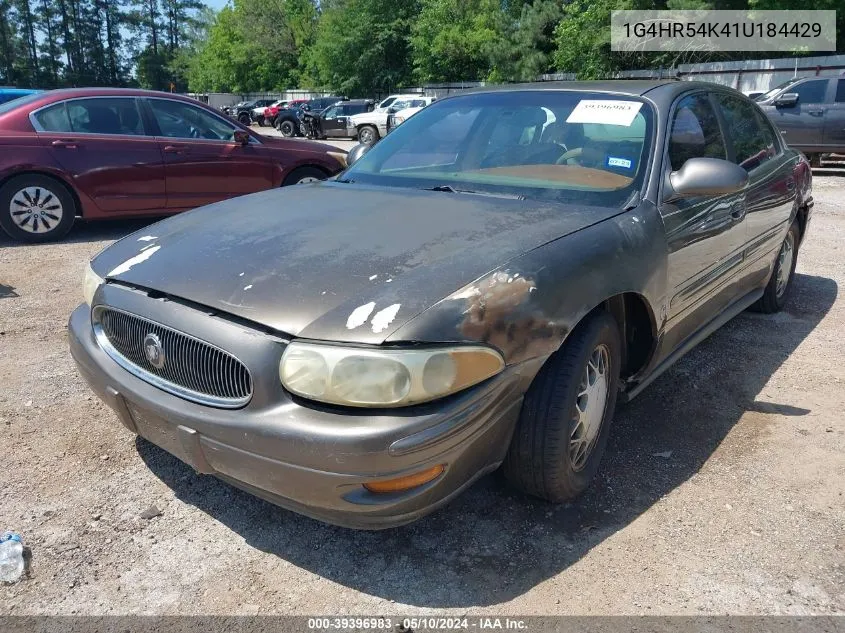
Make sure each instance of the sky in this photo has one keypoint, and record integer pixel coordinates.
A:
(216, 4)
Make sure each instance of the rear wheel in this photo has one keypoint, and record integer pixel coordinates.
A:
(304, 175)
(565, 420)
(367, 134)
(36, 208)
(261, 121)
(287, 128)
(777, 290)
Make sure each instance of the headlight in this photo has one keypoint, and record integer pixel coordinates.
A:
(90, 283)
(397, 120)
(383, 378)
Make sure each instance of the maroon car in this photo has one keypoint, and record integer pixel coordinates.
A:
(105, 153)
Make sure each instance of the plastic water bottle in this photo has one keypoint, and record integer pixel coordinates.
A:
(11, 557)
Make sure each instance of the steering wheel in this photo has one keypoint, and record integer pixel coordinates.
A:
(567, 155)
(194, 132)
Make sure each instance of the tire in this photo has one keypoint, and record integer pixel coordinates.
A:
(35, 208)
(287, 128)
(260, 121)
(542, 459)
(367, 134)
(777, 290)
(304, 175)
(815, 160)
(244, 119)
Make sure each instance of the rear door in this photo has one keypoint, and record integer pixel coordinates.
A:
(203, 163)
(103, 145)
(801, 125)
(834, 124)
(705, 234)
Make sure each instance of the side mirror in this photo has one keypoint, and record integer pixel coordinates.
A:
(241, 137)
(356, 153)
(786, 100)
(707, 177)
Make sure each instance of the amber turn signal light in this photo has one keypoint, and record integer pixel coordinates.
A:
(407, 482)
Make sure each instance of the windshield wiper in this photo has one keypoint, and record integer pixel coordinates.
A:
(451, 189)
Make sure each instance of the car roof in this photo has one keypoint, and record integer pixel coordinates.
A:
(661, 91)
(357, 102)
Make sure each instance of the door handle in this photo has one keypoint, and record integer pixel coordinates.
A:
(175, 149)
(65, 143)
(738, 210)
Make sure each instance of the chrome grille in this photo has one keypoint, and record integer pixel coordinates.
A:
(191, 368)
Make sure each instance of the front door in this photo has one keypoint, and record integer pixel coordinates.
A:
(333, 121)
(771, 187)
(103, 145)
(801, 125)
(705, 234)
(203, 163)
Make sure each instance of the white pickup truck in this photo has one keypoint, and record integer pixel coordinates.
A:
(369, 127)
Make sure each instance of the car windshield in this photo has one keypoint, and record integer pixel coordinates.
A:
(568, 146)
(17, 102)
(771, 93)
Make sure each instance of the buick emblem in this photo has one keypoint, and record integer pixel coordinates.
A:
(154, 351)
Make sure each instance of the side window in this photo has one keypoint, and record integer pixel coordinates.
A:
(331, 113)
(752, 138)
(117, 115)
(182, 120)
(840, 91)
(811, 91)
(695, 132)
(53, 119)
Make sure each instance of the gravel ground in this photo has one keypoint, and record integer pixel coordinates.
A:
(722, 490)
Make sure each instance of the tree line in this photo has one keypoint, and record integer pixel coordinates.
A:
(58, 43)
(353, 47)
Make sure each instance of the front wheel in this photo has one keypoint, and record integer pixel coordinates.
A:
(244, 119)
(304, 175)
(260, 121)
(287, 129)
(367, 134)
(776, 292)
(36, 209)
(565, 419)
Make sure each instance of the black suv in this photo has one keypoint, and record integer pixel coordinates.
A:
(288, 122)
(333, 120)
(243, 112)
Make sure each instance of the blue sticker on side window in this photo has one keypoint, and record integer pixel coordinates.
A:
(615, 161)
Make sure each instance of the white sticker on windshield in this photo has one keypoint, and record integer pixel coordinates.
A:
(605, 111)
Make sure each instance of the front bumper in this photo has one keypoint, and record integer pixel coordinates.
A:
(313, 459)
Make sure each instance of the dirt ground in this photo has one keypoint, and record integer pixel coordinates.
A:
(721, 492)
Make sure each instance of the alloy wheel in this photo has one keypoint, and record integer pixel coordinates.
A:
(306, 179)
(590, 404)
(36, 210)
(785, 257)
(366, 136)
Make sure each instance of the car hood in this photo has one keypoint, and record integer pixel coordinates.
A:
(336, 261)
(299, 145)
(368, 117)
